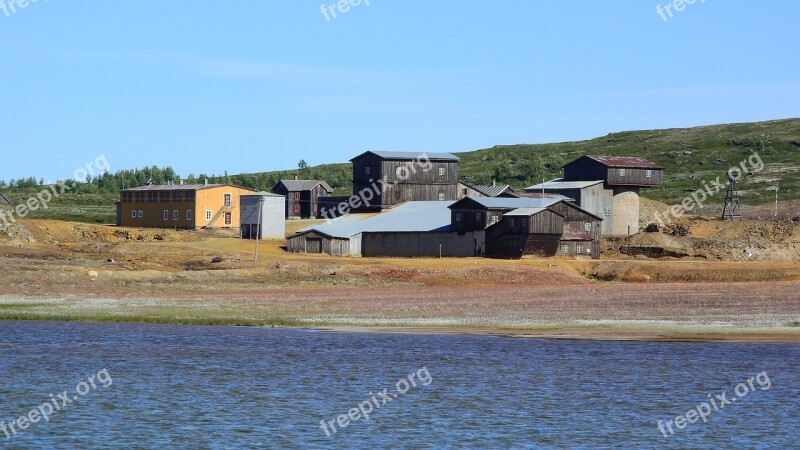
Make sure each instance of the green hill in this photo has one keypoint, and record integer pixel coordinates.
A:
(690, 155)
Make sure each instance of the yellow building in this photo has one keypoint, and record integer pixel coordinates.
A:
(181, 206)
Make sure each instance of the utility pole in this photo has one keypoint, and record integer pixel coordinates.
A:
(777, 188)
(258, 231)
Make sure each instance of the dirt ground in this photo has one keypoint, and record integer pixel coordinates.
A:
(70, 271)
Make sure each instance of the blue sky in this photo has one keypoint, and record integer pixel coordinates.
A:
(256, 85)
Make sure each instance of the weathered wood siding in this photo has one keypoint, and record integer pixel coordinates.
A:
(634, 177)
(422, 244)
(416, 180)
(572, 249)
(313, 242)
(518, 245)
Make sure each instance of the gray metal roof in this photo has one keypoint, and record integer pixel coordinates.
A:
(262, 194)
(433, 156)
(305, 185)
(489, 190)
(559, 183)
(512, 203)
(178, 187)
(525, 212)
(408, 217)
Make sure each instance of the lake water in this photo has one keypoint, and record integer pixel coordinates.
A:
(224, 387)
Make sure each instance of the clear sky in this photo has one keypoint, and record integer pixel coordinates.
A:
(256, 85)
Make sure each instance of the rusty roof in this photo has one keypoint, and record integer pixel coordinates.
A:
(635, 162)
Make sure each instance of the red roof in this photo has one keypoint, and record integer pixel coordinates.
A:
(636, 162)
(571, 234)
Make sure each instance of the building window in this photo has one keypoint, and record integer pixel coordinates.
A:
(296, 196)
(588, 248)
(648, 173)
(579, 249)
(127, 197)
(133, 213)
(608, 211)
(188, 214)
(208, 214)
(494, 220)
(478, 217)
(190, 196)
(565, 249)
(441, 196)
(227, 200)
(139, 197)
(175, 215)
(151, 197)
(297, 209)
(366, 170)
(177, 196)
(621, 172)
(141, 213)
(163, 197)
(441, 171)
(458, 217)
(587, 227)
(166, 214)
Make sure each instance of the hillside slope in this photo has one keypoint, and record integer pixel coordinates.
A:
(690, 155)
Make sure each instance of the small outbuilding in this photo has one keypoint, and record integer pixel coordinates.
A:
(262, 216)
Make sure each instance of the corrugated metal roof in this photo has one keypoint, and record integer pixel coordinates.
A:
(179, 187)
(305, 185)
(433, 156)
(559, 183)
(511, 203)
(489, 190)
(545, 195)
(572, 234)
(525, 212)
(262, 194)
(625, 161)
(408, 217)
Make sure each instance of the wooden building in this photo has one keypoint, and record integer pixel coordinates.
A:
(386, 179)
(181, 206)
(478, 213)
(525, 232)
(607, 186)
(302, 197)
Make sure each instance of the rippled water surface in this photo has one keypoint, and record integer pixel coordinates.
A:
(224, 387)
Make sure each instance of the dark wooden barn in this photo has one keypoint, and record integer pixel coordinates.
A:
(615, 170)
(525, 232)
(386, 179)
(302, 197)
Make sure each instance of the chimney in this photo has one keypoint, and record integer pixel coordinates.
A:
(206, 182)
(180, 181)
(494, 182)
(296, 178)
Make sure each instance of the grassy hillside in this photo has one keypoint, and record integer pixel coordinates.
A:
(691, 156)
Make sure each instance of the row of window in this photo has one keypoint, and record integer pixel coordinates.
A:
(647, 173)
(155, 197)
(402, 171)
(175, 214)
(579, 248)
